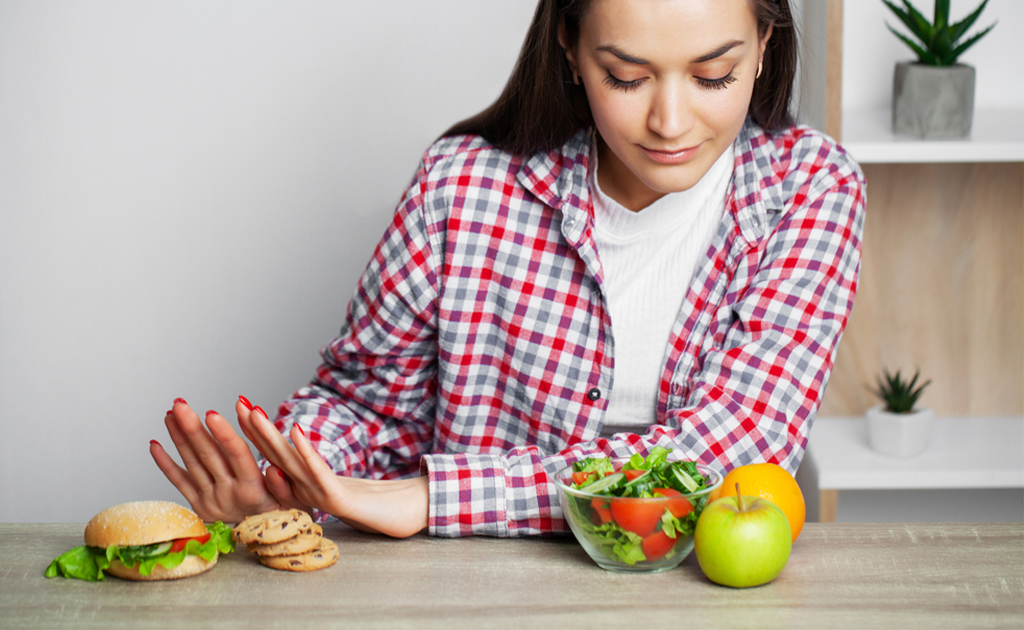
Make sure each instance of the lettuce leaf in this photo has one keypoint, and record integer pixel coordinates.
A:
(88, 563)
(80, 563)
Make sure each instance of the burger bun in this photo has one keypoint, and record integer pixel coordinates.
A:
(142, 523)
(192, 565)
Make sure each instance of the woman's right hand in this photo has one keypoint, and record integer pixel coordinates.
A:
(220, 480)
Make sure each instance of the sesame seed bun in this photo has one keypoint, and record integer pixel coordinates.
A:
(142, 523)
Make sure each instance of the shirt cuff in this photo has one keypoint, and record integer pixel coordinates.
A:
(467, 495)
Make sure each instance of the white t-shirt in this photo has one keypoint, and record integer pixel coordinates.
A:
(649, 258)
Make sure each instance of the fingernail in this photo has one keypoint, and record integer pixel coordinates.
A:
(300, 430)
(280, 472)
(209, 412)
(245, 402)
(169, 412)
(260, 409)
(180, 400)
(154, 442)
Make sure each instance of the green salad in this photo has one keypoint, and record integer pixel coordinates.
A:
(637, 531)
(88, 563)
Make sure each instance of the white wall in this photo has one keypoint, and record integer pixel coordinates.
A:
(188, 192)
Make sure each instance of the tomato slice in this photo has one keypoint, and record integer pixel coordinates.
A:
(579, 478)
(602, 514)
(180, 543)
(632, 474)
(677, 504)
(657, 545)
(637, 515)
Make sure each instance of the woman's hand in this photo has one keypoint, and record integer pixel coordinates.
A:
(395, 508)
(221, 480)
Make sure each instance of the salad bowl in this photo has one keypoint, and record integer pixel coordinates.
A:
(629, 518)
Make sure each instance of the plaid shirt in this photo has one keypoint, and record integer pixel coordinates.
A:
(478, 346)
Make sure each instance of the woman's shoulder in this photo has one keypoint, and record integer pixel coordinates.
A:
(800, 151)
(455, 155)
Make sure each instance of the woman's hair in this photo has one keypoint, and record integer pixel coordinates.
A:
(540, 107)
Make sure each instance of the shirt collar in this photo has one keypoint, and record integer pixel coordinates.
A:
(559, 179)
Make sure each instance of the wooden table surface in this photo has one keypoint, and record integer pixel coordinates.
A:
(839, 576)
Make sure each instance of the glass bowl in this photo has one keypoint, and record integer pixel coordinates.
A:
(615, 532)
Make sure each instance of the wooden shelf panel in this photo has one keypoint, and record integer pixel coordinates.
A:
(997, 135)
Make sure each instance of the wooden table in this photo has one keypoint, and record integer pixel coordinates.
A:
(839, 576)
(982, 452)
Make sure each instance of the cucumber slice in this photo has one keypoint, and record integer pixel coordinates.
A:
(684, 479)
(644, 478)
(147, 551)
(605, 484)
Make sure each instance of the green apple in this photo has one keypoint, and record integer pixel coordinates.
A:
(742, 541)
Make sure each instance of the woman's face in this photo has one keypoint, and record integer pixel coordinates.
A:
(669, 84)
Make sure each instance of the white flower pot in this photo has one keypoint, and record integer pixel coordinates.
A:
(899, 434)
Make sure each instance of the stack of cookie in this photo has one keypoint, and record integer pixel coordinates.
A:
(287, 540)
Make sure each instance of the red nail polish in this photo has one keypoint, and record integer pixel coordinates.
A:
(209, 412)
(245, 402)
(260, 409)
(300, 430)
(280, 472)
(180, 400)
(169, 412)
(152, 442)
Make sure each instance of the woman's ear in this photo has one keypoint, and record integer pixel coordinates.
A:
(763, 40)
(570, 53)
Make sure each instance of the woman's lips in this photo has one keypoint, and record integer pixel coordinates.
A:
(675, 156)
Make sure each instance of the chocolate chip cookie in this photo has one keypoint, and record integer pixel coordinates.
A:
(325, 554)
(272, 527)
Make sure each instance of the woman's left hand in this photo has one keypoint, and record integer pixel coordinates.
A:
(396, 508)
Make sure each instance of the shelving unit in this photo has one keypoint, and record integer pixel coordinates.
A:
(941, 285)
(980, 452)
(997, 135)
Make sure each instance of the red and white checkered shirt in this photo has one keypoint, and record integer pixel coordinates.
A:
(478, 347)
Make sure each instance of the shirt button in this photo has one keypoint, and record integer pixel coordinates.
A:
(594, 394)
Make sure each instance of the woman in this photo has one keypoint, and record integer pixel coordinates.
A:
(632, 247)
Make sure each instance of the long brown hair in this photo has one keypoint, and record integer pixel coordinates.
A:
(540, 107)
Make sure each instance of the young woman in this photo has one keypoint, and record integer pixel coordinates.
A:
(634, 246)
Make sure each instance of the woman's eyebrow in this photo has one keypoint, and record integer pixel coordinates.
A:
(615, 50)
(718, 52)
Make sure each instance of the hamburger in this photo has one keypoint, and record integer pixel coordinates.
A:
(145, 540)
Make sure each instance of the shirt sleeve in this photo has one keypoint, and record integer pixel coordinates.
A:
(751, 398)
(369, 410)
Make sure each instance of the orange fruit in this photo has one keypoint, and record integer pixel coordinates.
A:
(768, 481)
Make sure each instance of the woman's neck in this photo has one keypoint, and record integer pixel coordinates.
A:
(619, 183)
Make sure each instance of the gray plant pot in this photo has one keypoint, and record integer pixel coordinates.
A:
(932, 101)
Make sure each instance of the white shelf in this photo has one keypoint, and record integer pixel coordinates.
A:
(997, 135)
(976, 452)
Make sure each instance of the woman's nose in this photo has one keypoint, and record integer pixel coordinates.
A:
(671, 114)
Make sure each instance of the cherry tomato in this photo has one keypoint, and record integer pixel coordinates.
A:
(677, 504)
(180, 543)
(602, 514)
(637, 515)
(657, 545)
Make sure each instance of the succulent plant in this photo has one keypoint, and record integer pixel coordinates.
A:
(940, 43)
(898, 395)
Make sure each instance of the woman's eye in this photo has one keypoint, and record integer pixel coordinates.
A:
(717, 84)
(618, 84)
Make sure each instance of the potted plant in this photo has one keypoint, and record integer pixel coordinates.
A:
(898, 428)
(934, 96)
